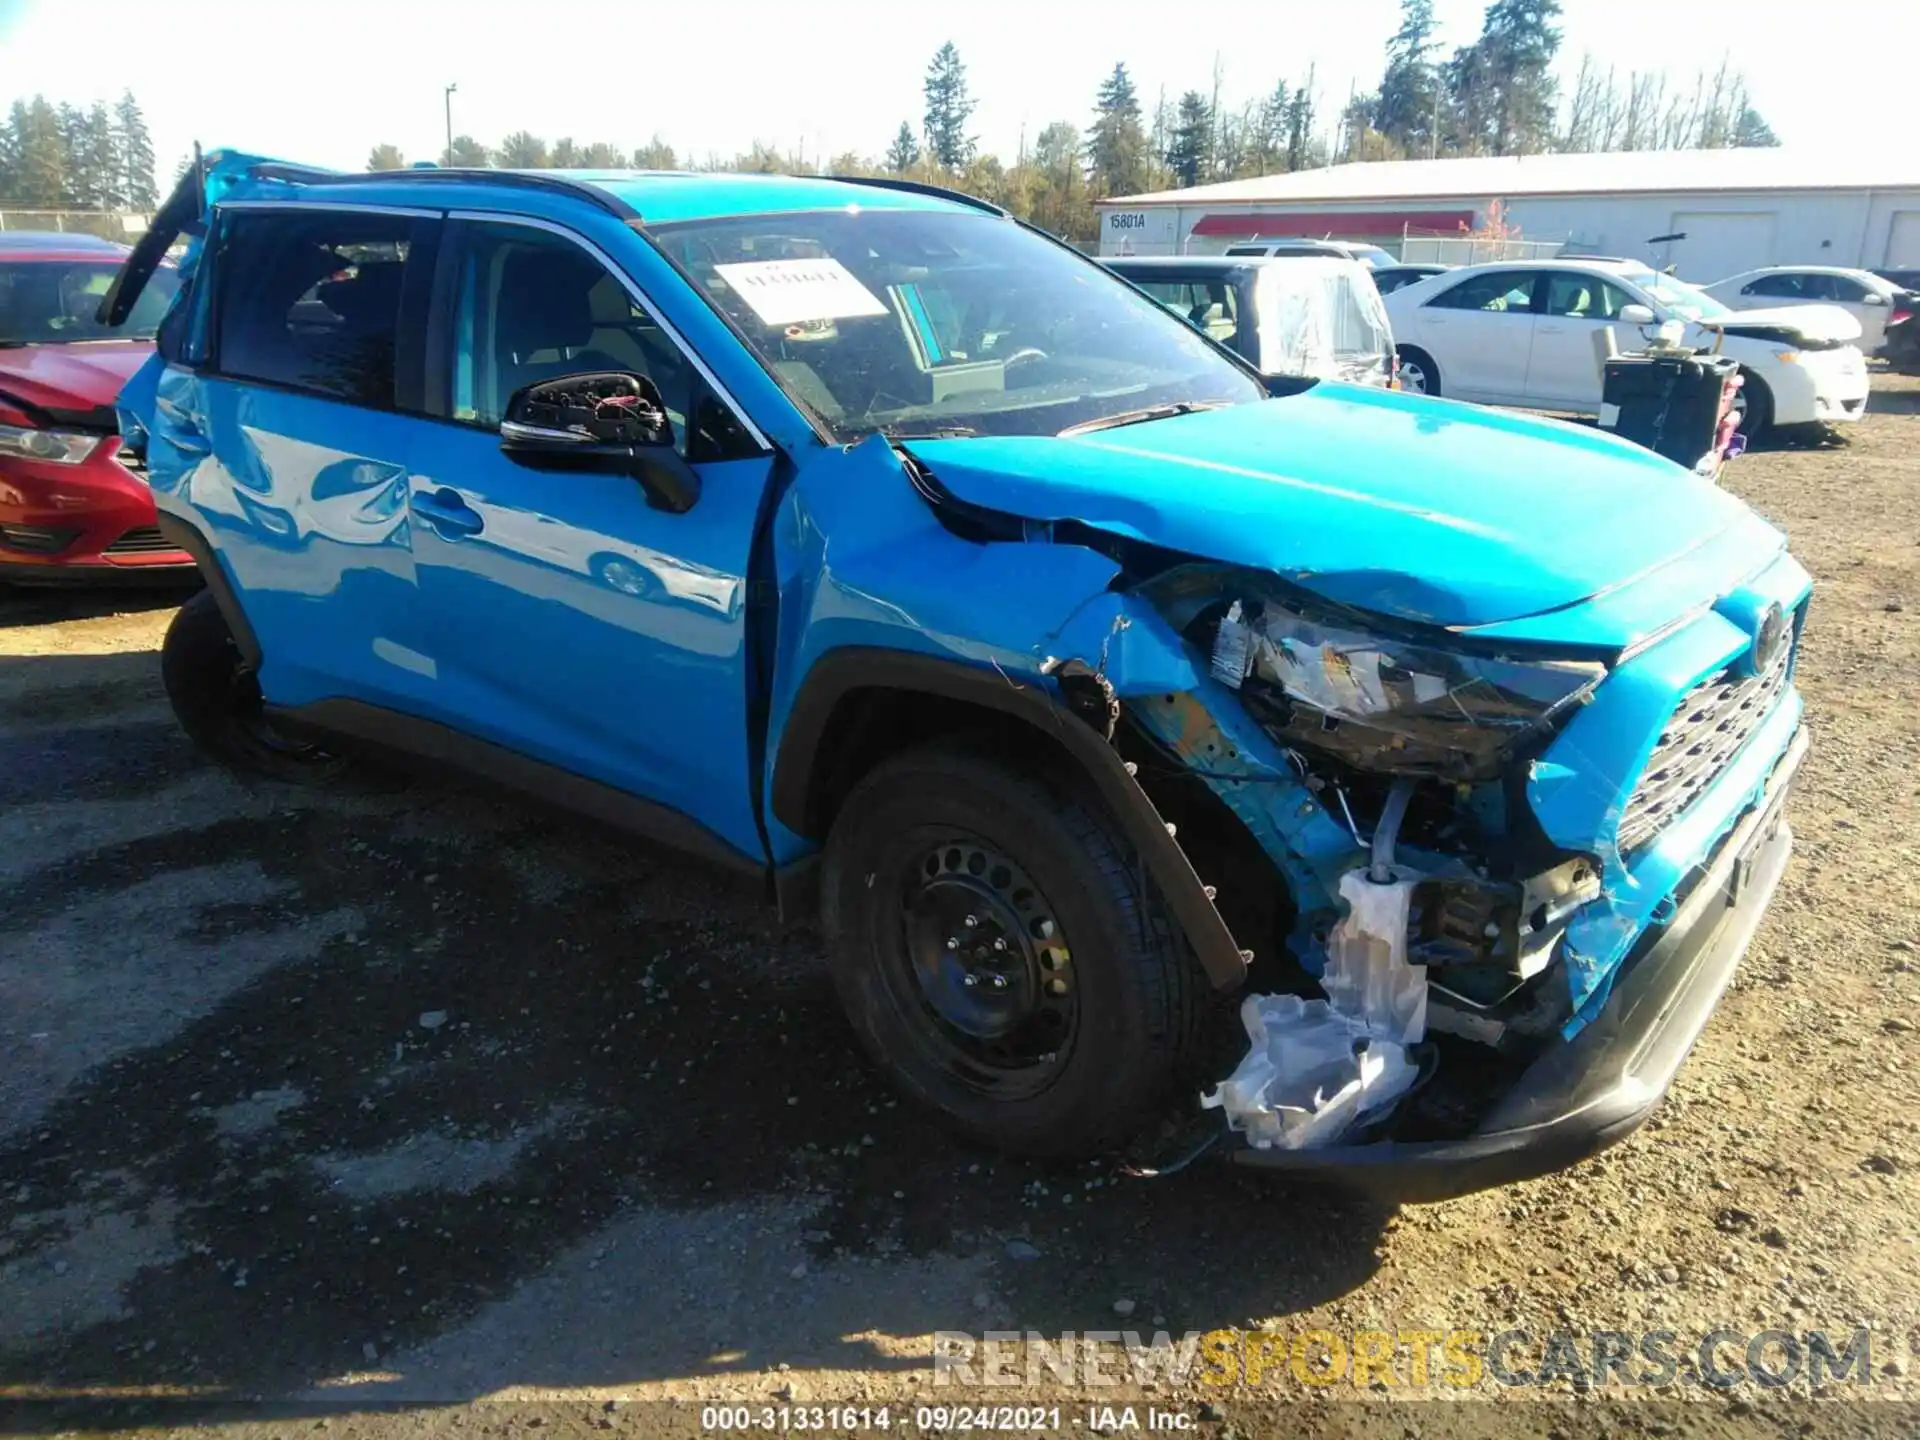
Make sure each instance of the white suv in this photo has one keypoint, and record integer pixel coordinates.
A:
(1528, 334)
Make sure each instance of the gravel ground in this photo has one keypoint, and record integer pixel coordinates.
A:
(385, 1104)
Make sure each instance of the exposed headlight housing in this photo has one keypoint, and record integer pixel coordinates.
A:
(1330, 681)
(51, 446)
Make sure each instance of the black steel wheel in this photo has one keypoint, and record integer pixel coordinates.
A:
(983, 955)
(1000, 952)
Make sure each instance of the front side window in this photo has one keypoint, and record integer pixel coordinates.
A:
(53, 302)
(533, 306)
(1209, 305)
(1846, 290)
(907, 322)
(1584, 297)
(1786, 287)
(311, 300)
(1501, 292)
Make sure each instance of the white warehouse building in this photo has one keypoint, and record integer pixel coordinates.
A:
(1707, 213)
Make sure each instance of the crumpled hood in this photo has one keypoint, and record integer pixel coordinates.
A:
(1828, 323)
(69, 379)
(1432, 510)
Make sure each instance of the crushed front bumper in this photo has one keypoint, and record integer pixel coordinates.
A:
(1584, 1094)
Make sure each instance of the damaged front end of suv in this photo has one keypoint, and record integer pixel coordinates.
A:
(1488, 888)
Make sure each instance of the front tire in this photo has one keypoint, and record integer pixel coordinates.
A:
(1001, 955)
(1753, 403)
(218, 703)
(1418, 374)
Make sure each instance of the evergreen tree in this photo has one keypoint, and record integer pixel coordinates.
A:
(1267, 146)
(467, 154)
(1410, 87)
(656, 154)
(1190, 152)
(523, 150)
(565, 154)
(948, 108)
(904, 153)
(99, 159)
(600, 156)
(135, 149)
(40, 153)
(1117, 145)
(1517, 44)
(10, 154)
(1301, 113)
(386, 157)
(1751, 131)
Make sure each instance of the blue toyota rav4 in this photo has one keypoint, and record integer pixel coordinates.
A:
(1371, 787)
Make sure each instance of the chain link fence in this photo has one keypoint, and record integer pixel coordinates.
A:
(1474, 249)
(124, 226)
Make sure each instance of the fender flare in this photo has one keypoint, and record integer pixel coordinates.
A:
(189, 538)
(841, 672)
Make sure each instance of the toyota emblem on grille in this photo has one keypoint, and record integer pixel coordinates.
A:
(1770, 639)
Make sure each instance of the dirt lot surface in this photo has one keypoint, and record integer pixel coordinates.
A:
(419, 1097)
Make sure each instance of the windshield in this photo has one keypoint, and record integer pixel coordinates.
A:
(52, 302)
(1678, 296)
(918, 323)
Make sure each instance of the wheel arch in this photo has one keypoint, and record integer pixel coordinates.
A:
(190, 539)
(860, 704)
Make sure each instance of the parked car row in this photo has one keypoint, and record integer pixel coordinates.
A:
(1533, 334)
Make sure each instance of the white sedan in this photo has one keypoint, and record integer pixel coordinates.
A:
(1529, 334)
(1869, 298)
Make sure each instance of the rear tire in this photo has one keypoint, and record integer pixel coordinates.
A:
(1075, 1025)
(218, 703)
(1418, 374)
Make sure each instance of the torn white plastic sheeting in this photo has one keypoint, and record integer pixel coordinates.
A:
(1315, 1067)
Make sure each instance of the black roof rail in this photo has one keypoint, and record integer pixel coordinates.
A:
(918, 187)
(530, 179)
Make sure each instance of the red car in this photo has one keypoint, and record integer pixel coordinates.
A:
(70, 509)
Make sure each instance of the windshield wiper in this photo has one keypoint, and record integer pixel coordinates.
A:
(1137, 417)
(932, 432)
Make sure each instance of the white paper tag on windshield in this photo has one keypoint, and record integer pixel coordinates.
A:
(785, 292)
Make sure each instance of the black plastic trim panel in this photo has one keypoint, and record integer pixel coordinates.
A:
(443, 747)
(189, 539)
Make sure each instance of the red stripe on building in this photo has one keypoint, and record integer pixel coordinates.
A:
(1336, 223)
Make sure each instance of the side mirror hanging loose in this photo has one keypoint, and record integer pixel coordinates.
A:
(605, 421)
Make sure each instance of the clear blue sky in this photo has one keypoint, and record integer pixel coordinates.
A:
(323, 83)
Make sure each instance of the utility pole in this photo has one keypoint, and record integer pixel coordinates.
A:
(449, 99)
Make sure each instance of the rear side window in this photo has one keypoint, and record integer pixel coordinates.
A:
(1505, 291)
(310, 300)
(1787, 286)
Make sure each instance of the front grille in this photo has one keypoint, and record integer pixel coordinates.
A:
(1709, 725)
(146, 540)
(36, 539)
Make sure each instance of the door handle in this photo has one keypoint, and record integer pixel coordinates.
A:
(1553, 329)
(449, 514)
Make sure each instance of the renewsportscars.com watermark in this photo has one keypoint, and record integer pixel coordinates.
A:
(1404, 1359)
